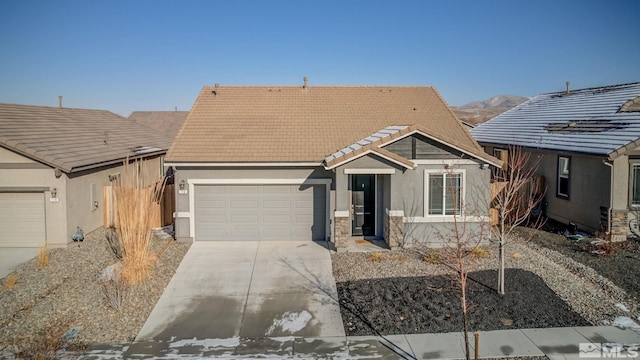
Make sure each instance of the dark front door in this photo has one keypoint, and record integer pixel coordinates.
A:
(363, 202)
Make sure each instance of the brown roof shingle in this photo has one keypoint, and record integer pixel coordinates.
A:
(165, 122)
(74, 139)
(296, 124)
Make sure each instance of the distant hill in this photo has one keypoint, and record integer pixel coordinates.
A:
(480, 111)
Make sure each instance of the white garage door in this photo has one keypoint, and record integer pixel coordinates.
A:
(260, 212)
(22, 221)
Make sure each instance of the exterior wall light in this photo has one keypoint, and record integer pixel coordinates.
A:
(54, 195)
(182, 187)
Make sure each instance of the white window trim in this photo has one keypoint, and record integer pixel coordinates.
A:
(633, 183)
(559, 175)
(440, 217)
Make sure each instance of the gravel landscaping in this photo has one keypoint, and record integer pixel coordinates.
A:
(68, 294)
(586, 293)
(625, 255)
(431, 304)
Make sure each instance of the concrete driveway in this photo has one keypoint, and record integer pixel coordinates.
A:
(227, 290)
(10, 258)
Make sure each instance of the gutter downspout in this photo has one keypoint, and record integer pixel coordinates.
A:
(610, 165)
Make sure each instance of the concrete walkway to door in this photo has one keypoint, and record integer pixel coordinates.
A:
(231, 290)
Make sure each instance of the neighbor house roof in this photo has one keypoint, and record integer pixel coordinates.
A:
(305, 124)
(598, 121)
(165, 122)
(75, 139)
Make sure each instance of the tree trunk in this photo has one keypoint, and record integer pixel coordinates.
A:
(501, 269)
(464, 322)
(501, 258)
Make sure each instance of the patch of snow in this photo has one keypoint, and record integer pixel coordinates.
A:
(291, 322)
(209, 343)
(622, 307)
(625, 322)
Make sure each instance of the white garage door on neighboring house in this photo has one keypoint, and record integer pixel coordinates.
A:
(22, 220)
(260, 212)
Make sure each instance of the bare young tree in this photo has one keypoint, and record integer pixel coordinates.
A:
(459, 238)
(517, 196)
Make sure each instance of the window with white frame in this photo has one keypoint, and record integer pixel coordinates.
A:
(564, 176)
(444, 193)
(635, 185)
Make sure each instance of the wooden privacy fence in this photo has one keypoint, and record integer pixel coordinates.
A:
(535, 186)
(161, 212)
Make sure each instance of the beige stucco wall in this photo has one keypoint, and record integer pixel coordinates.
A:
(73, 207)
(80, 210)
(38, 177)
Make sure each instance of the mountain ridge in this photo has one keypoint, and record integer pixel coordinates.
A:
(477, 112)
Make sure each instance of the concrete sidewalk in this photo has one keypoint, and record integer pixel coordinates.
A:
(556, 343)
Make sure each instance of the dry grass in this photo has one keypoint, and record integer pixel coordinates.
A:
(479, 252)
(10, 281)
(433, 258)
(43, 257)
(376, 256)
(134, 200)
(46, 343)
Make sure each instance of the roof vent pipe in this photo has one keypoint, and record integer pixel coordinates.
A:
(568, 83)
(306, 81)
(60, 101)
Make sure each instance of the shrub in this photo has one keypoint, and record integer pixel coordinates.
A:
(115, 292)
(46, 343)
(376, 256)
(433, 258)
(43, 257)
(135, 202)
(111, 234)
(10, 281)
(479, 252)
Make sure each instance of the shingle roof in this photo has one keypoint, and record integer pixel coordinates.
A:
(296, 124)
(75, 139)
(165, 122)
(588, 121)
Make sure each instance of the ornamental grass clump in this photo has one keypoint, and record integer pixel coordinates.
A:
(136, 200)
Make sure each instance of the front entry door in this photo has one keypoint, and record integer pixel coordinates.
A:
(363, 206)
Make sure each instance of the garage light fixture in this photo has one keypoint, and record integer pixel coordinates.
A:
(182, 187)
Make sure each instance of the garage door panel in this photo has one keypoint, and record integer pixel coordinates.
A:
(244, 204)
(22, 220)
(277, 189)
(267, 212)
(280, 219)
(243, 190)
(276, 204)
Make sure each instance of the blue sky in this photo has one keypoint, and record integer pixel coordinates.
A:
(156, 55)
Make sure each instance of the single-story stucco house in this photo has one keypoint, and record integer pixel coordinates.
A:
(54, 164)
(588, 143)
(324, 163)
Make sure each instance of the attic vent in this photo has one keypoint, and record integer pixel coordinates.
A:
(139, 150)
(584, 126)
(385, 90)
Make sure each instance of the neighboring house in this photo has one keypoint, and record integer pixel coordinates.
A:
(324, 163)
(54, 163)
(588, 142)
(165, 122)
